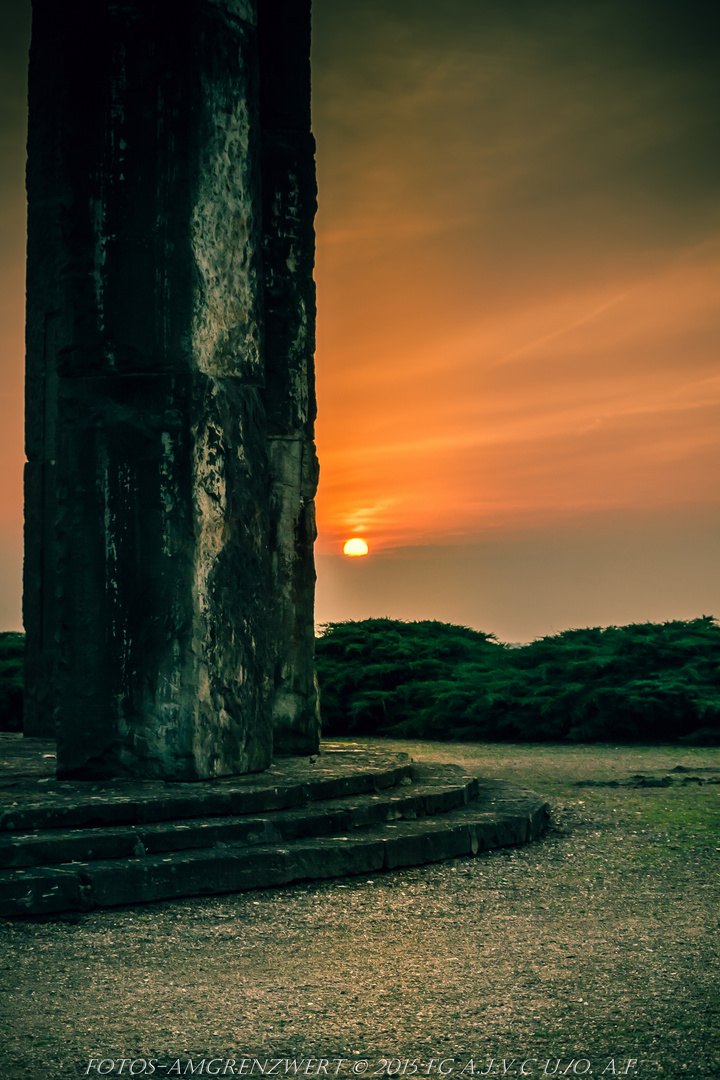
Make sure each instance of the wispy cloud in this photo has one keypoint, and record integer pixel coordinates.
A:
(518, 264)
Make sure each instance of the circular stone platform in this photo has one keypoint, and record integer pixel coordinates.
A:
(77, 845)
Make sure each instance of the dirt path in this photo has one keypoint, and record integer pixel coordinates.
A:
(595, 947)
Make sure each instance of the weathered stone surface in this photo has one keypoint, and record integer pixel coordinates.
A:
(296, 711)
(168, 595)
(431, 814)
(40, 892)
(412, 844)
(239, 9)
(50, 846)
(288, 783)
(289, 204)
(143, 878)
(143, 171)
(169, 519)
(169, 876)
(336, 856)
(39, 601)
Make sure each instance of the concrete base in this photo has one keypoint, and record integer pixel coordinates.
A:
(78, 846)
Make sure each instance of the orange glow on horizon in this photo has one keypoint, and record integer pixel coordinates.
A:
(594, 399)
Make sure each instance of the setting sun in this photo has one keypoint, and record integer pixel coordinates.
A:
(355, 547)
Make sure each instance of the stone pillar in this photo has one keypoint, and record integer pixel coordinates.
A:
(289, 204)
(152, 574)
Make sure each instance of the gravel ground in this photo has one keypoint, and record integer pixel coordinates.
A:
(591, 952)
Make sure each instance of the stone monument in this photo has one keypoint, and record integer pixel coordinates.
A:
(169, 522)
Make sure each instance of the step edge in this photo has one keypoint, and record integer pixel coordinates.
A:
(421, 800)
(130, 810)
(469, 837)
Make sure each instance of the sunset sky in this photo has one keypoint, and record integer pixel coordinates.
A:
(518, 274)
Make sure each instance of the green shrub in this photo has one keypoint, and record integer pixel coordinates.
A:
(430, 680)
(12, 647)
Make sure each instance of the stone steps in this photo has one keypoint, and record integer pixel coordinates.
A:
(287, 783)
(49, 846)
(298, 823)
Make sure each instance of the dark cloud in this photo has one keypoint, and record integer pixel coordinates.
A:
(567, 118)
